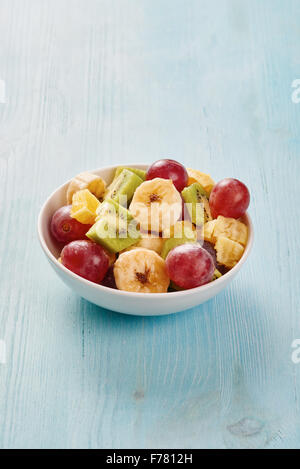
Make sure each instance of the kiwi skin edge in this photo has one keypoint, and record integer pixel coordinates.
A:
(192, 195)
(124, 185)
(139, 172)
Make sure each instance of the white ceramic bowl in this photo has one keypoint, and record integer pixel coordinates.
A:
(140, 304)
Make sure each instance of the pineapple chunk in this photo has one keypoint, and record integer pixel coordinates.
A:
(228, 252)
(204, 179)
(230, 228)
(209, 231)
(148, 241)
(92, 182)
(84, 206)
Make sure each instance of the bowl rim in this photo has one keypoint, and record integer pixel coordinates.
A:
(102, 288)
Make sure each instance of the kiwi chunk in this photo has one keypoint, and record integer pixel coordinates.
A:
(196, 199)
(111, 208)
(115, 228)
(188, 236)
(123, 187)
(217, 274)
(139, 172)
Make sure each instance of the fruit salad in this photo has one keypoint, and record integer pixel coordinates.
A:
(166, 229)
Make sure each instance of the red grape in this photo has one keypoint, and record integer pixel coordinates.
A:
(189, 266)
(229, 198)
(169, 169)
(65, 228)
(109, 279)
(87, 259)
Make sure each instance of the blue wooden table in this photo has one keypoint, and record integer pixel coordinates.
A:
(87, 83)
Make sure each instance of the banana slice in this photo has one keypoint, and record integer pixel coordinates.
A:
(151, 241)
(156, 205)
(92, 182)
(141, 270)
(148, 241)
(204, 179)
